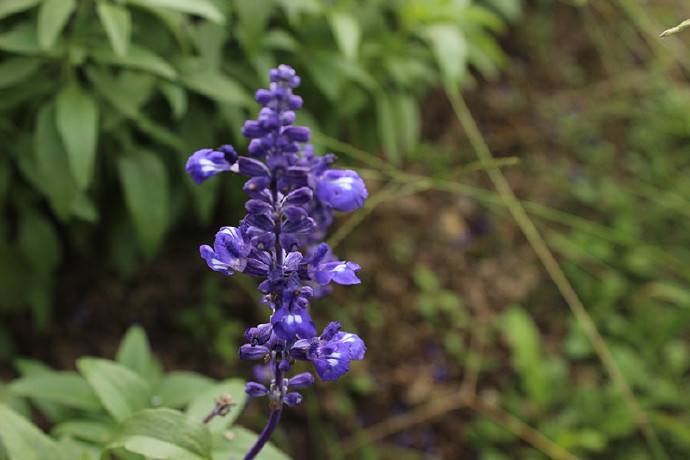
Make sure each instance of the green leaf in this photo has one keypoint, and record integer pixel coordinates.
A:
(204, 402)
(145, 184)
(347, 32)
(385, 117)
(52, 171)
(52, 18)
(179, 388)
(39, 241)
(523, 336)
(16, 70)
(165, 434)
(203, 8)
(117, 23)
(23, 440)
(135, 353)
(136, 58)
(241, 441)
(76, 118)
(87, 430)
(65, 388)
(121, 391)
(217, 86)
(20, 40)
(408, 123)
(9, 7)
(176, 97)
(450, 49)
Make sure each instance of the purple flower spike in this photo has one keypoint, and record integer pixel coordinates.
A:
(205, 163)
(293, 194)
(341, 189)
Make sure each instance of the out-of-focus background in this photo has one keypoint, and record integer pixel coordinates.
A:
(552, 323)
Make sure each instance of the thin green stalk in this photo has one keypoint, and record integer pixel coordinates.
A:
(554, 270)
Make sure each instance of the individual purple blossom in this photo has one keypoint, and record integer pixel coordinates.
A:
(343, 190)
(293, 194)
(229, 252)
(205, 163)
(330, 353)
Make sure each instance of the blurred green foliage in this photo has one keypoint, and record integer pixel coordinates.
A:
(101, 101)
(127, 409)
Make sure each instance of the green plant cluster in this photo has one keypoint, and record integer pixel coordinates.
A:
(629, 263)
(127, 409)
(101, 101)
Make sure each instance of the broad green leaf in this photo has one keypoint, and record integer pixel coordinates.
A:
(165, 434)
(347, 32)
(253, 18)
(78, 450)
(117, 23)
(9, 7)
(450, 49)
(385, 117)
(408, 121)
(94, 431)
(23, 440)
(204, 8)
(51, 166)
(135, 353)
(52, 18)
(65, 388)
(179, 388)
(39, 241)
(121, 391)
(84, 208)
(16, 70)
(136, 58)
(217, 86)
(523, 338)
(204, 403)
(76, 117)
(176, 97)
(240, 442)
(145, 184)
(20, 40)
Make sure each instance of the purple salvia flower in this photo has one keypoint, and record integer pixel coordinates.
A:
(205, 163)
(292, 196)
(343, 190)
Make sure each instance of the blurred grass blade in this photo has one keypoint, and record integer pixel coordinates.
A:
(450, 49)
(117, 23)
(203, 8)
(52, 18)
(674, 30)
(347, 32)
(77, 121)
